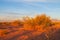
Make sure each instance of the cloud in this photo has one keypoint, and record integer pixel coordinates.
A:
(32, 0)
(26, 0)
(41, 0)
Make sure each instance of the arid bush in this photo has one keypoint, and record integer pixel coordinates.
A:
(41, 27)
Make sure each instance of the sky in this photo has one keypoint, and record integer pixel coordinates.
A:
(12, 9)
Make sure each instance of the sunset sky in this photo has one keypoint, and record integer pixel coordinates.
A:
(11, 9)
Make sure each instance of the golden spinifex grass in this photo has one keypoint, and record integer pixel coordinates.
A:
(40, 27)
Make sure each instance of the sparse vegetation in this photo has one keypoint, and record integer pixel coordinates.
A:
(39, 28)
